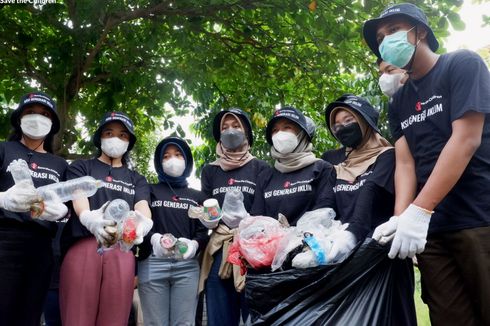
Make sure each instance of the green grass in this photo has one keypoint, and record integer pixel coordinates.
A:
(421, 308)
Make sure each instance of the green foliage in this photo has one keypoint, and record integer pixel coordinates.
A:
(157, 60)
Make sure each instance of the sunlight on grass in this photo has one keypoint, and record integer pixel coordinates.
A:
(421, 308)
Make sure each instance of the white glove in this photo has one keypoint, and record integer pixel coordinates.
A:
(232, 221)
(192, 246)
(342, 243)
(304, 259)
(54, 209)
(144, 226)
(94, 222)
(209, 224)
(158, 249)
(411, 233)
(385, 232)
(19, 197)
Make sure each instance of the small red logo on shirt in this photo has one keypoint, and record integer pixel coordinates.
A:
(34, 166)
(418, 106)
(276, 113)
(175, 198)
(231, 181)
(287, 184)
(108, 178)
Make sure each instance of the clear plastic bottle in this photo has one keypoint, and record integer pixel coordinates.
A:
(128, 232)
(175, 248)
(72, 189)
(20, 171)
(117, 210)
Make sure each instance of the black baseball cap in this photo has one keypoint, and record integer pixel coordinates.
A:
(116, 116)
(406, 10)
(359, 105)
(36, 98)
(292, 114)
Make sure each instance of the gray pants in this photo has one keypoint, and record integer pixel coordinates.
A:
(168, 291)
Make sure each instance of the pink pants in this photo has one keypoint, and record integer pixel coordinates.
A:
(95, 289)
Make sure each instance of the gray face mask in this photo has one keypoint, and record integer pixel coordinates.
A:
(232, 138)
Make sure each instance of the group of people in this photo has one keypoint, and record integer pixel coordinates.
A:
(425, 195)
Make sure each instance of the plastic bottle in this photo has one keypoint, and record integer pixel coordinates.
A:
(315, 247)
(180, 249)
(71, 189)
(117, 210)
(176, 249)
(20, 171)
(128, 233)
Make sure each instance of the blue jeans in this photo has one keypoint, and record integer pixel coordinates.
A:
(223, 302)
(52, 316)
(168, 290)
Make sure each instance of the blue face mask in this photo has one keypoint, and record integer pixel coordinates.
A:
(396, 49)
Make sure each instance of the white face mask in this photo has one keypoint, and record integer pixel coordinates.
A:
(173, 167)
(35, 126)
(284, 142)
(114, 147)
(390, 83)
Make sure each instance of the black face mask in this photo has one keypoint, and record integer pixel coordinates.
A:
(350, 135)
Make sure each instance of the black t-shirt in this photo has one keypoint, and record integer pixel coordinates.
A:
(45, 169)
(119, 183)
(369, 200)
(169, 212)
(334, 156)
(215, 182)
(423, 111)
(292, 194)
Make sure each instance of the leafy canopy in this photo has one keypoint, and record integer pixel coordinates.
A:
(156, 60)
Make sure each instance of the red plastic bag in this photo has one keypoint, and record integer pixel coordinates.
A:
(256, 242)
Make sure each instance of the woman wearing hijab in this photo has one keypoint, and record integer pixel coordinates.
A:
(235, 168)
(364, 189)
(167, 283)
(299, 180)
(25, 242)
(97, 289)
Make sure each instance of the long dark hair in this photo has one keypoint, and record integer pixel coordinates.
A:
(16, 135)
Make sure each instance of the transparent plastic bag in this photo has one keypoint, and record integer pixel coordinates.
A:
(258, 238)
(318, 224)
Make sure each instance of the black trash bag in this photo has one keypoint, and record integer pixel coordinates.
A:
(366, 288)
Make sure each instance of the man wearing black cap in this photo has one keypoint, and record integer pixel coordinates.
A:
(439, 121)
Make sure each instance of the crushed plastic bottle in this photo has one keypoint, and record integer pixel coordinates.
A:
(128, 233)
(117, 211)
(175, 248)
(20, 171)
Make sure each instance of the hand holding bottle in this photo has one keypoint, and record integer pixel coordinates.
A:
(20, 197)
(192, 246)
(94, 222)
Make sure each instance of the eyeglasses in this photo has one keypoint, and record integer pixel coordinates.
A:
(336, 127)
